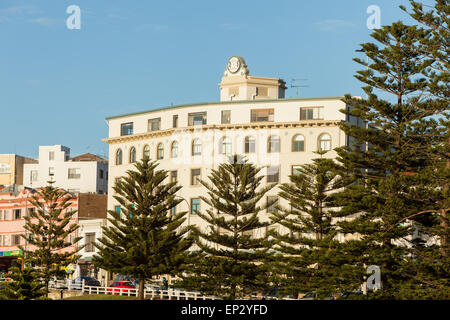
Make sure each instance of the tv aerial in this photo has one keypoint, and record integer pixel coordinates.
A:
(296, 86)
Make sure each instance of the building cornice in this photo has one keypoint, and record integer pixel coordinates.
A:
(221, 127)
(221, 103)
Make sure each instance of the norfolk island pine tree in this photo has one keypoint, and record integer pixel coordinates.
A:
(143, 239)
(230, 262)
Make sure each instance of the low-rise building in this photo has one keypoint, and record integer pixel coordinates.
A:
(86, 173)
(15, 205)
(11, 168)
(92, 217)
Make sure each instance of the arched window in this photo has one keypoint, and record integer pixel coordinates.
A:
(273, 144)
(160, 151)
(249, 145)
(119, 157)
(174, 150)
(146, 154)
(298, 143)
(225, 146)
(196, 147)
(324, 142)
(132, 155)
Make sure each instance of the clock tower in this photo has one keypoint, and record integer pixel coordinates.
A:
(236, 67)
(237, 84)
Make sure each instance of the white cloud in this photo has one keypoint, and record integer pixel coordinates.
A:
(155, 27)
(334, 25)
(45, 21)
(24, 13)
(17, 9)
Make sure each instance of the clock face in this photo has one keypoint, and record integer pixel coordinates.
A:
(234, 64)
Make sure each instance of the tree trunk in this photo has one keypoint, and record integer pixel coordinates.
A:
(444, 238)
(141, 289)
(444, 223)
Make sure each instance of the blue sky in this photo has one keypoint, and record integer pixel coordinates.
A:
(58, 85)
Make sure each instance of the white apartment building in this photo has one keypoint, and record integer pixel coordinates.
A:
(86, 173)
(252, 118)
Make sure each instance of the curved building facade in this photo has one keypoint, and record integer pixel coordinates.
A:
(252, 118)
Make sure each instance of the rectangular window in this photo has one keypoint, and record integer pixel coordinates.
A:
(195, 205)
(126, 129)
(272, 202)
(5, 168)
(195, 176)
(175, 121)
(17, 213)
(262, 92)
(6, 240)
(100, 174)
(154, 124)
(1, 214)
(16, 239)
(273, 174)
(250, 145)
(273, 144)
(34, 175)
(117, 210)
(30, 211)
(6, 215)
(51, 171)
(197, 119)
(226, 116)
(296, 170)
(258, 115)
(74, 173)
(51, 155)
(311, 113)
(174, 176)
(173, 210)
(90, 239)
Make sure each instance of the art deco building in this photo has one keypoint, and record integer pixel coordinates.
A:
(252, 118)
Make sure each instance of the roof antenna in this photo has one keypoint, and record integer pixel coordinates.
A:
(298, 86)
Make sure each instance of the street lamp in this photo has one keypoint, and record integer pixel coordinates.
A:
(367, 69)
(189, 212)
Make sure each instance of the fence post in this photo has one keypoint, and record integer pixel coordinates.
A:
(82, 285)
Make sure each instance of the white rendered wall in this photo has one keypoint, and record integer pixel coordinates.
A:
(89, 180)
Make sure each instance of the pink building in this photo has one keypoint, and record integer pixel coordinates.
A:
(15, 205)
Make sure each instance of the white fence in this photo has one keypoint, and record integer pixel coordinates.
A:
(170, 294)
